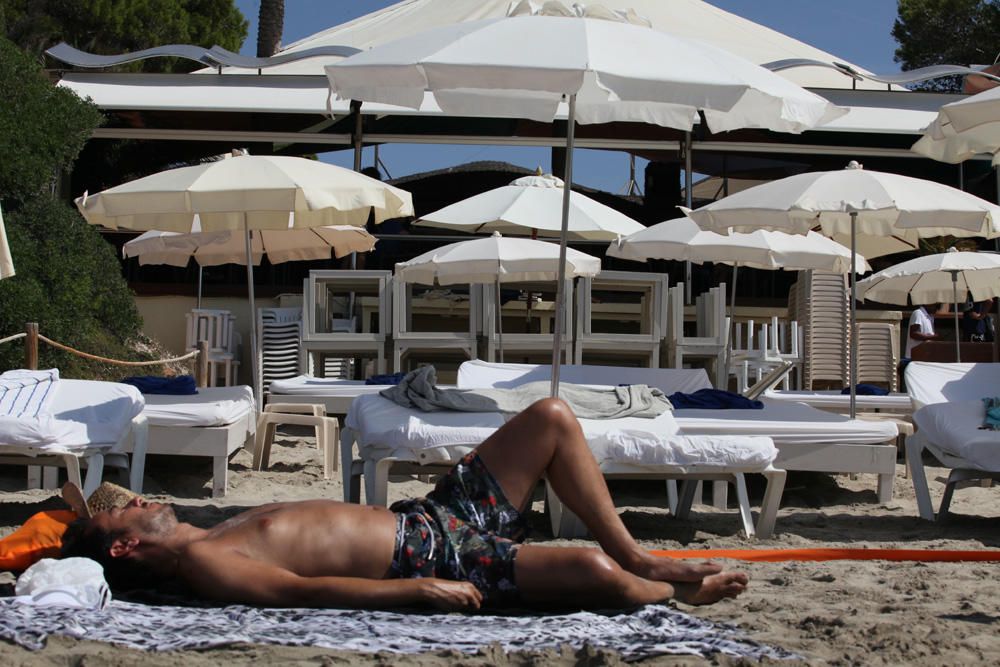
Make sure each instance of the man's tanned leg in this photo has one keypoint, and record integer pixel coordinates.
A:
(546, 439)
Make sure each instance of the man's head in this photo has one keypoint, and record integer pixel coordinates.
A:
(128, 541)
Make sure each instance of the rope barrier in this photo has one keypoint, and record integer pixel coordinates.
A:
(85, 355)
(14, 337)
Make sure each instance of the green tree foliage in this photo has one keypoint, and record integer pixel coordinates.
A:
(118, 26)
(955, 32)
(68, 278)
(42, 128)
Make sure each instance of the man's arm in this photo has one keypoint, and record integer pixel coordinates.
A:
(916, 334)
(228, 576)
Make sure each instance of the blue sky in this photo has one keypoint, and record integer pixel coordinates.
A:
(856, 30)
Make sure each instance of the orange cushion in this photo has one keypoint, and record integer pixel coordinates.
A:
(39, 537)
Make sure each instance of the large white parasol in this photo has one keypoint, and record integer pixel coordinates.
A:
(532, 205)
(243, 193)
(607, 66)
(946, 276)
(963, 129)
(852, 201)
(496, 260)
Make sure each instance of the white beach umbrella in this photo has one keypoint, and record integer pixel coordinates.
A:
(947, 276)
(229, 247)
(963, 129)
(496, 259)
(683, 240)
(852, 201)
(605, 65)
(6, 262)
(529, 205)
(244, 193)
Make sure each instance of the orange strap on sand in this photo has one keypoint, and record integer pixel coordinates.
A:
(781, 555)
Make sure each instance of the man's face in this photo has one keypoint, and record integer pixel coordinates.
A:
(139, 518)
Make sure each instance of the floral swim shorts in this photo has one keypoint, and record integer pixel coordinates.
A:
(464, 530)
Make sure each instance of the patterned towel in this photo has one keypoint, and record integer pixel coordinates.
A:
(649, 631)
(27, 394)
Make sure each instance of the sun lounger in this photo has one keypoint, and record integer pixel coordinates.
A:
(391, 438)
(949, 412)
(833, 401)
(215, 422)
(89, 421)
(335, 394)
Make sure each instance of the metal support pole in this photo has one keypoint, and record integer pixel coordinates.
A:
(564, 232)
(254, 361)
(853, 360)
(732, 324)
(688, 199)
(499, 317)
(200, 269)
(958, 333)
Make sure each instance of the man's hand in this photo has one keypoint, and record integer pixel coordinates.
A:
(449, 595)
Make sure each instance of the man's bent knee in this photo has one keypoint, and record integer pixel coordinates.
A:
(552, 412)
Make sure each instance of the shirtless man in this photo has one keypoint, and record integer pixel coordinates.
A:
(458, 549)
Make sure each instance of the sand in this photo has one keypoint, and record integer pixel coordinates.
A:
(840, 612)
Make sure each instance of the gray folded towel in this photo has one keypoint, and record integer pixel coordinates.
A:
(419, 390)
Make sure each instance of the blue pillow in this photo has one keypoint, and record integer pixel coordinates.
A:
(182, 385)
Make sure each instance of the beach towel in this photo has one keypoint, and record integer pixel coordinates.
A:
(713, 399)
(647, 632)
(386, 378)
(419, 390)
(27, 394)
(864, 389)
(181, 385)
(991, 420)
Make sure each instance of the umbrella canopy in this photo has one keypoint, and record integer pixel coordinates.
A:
(246, 192)
(963, 129)
(853, 201)
(681, 239)
(933, 279)
(883, 204)
(252, 191)
(619, 69)
(532, 204)
(495, 259)
(226, 247)
(947, 276)
(606, 65)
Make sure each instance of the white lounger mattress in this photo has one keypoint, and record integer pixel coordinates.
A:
(786, 423)
(85, 413)
(954, 427)
(834, 400)
(306, 385)
(383, 426)
(211, 406)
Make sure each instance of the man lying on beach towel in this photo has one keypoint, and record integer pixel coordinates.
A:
(457, 549)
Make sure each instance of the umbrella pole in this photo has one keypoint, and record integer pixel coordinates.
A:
(254, 370)
(499, 318)
(732, 324)
(958, 334)
(688, 202)
(563, 233)
(853, 360)
(199, 286)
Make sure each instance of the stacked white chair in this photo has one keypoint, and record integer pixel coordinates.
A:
(820, 305)
(279, 332)
(520, 343)
(651, 288)
(878, 354)
(759, 349)
(217, 328)
(406, 338)
(712, 335)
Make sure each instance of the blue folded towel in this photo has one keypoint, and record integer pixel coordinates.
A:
(866, 390)
(991, 421)
(713, 399)
(386, 378)
(181, 385)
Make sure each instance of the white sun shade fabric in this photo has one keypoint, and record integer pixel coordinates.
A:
(532, 203)
(928, 279)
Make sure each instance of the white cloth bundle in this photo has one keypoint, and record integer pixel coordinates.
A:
(70, 582)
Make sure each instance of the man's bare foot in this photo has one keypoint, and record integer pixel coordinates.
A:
(712, 589)
(659, 568)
